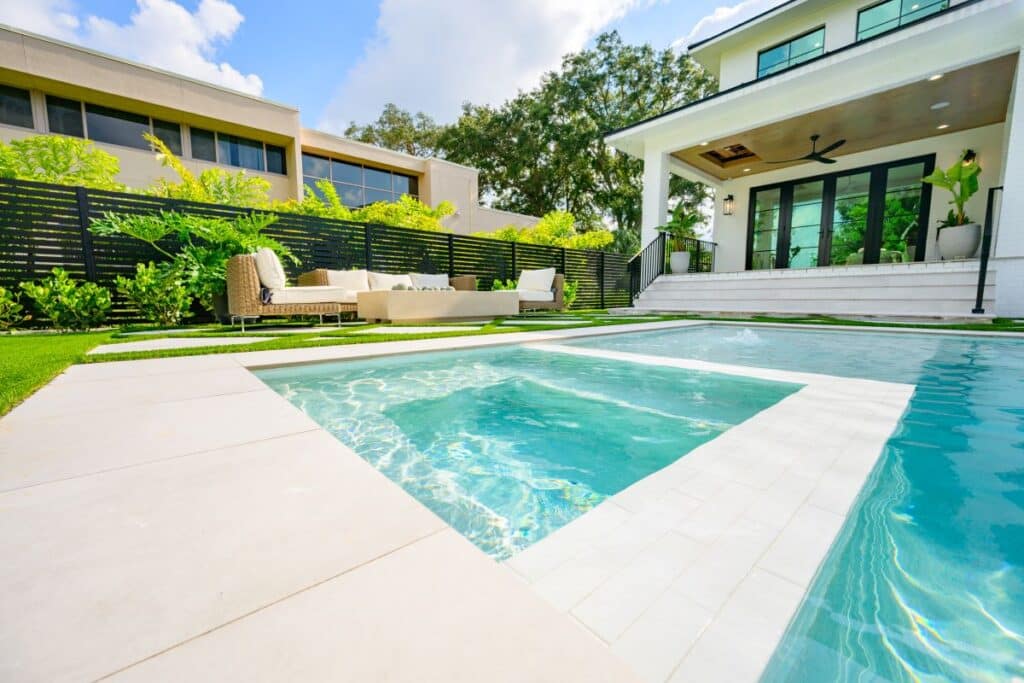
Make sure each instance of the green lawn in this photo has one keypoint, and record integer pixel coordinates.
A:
(29, 361)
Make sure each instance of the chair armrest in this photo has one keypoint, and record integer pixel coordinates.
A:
(243, 286)
(465, 283)
(314, 278)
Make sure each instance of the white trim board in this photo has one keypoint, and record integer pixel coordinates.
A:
(719, 547)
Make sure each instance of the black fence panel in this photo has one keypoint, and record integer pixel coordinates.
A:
(43, 226)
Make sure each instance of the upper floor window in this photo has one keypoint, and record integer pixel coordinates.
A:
(103, 124)
(792, 52)
(15, 107)
(891, 14)
(233, 150)
(357, 185)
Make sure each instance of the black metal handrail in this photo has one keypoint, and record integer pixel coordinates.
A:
(986, 248)
(652, 260)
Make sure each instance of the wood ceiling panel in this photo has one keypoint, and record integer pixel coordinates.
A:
(978, 95)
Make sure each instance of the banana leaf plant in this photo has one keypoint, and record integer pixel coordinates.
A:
(961, 179)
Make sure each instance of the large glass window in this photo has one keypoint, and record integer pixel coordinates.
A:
(357, 185)
(805, 224)
(850, 219)
(15, 107)
(233, 150)
(64, 116)
(792, 52)
(885, 16)
(275, 159)
(169, 133)
(116, 127)
(204, 144)
(901, 217)
(242, 152)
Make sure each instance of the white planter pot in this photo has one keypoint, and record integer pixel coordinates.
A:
(960, 241)
(679, 261)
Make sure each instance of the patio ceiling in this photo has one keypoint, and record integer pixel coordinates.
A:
(977, 95)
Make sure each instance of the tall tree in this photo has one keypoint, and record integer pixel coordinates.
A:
(397, 129)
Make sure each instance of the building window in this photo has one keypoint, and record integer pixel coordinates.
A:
(64, 116)
(356, 184)
(116, 127)
(15, 107)
(232, 150)
(792, 52)
(885, 16)
(112, 126)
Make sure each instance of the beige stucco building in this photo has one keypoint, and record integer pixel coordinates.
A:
(47, 86)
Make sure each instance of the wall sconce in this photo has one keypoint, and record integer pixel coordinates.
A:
(728, 205)
(969, 157)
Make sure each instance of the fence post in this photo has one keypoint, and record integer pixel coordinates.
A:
(515, 272)
(368, 246)
(565, 274)
(600, 275)
(83, 223)
(451, 255)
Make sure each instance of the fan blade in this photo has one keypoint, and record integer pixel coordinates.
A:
(807, 157)
(835, 145)
(826, 160)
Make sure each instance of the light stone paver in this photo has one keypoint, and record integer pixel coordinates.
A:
(748, 516)
(415, 329)
(536, 321)
(169, 343)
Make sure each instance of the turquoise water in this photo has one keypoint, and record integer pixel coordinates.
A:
(926, 580)
(508, 444)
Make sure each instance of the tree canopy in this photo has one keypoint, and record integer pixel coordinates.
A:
(544, 150)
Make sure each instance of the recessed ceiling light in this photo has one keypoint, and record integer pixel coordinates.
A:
(935, 77)
(914, 7)
(942, 126)
(940, 105)
(704, 144)
(746, 170)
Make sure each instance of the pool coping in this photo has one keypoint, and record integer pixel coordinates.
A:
(85, 432)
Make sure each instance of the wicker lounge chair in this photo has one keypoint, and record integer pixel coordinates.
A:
(244, 301)
(556, 304)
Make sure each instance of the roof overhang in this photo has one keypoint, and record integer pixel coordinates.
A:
(974, 35)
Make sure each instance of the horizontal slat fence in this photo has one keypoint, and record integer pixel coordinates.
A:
(43, 226)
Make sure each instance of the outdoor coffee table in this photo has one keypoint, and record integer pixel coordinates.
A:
(413, 306)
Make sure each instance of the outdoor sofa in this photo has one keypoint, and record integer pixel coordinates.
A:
(542, 289)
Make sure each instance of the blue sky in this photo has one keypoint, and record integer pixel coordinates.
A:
(342, 61)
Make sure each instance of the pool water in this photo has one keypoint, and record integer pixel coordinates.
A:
(926, 580)
(509, 444)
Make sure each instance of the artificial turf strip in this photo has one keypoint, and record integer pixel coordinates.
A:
(28, 361)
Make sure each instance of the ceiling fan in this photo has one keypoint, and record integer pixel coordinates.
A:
(816, 154)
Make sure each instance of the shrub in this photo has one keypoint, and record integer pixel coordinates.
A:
(157, 292)
(68, 304)
(555, 229)
(499, 286)
(322, 200)
(569, 292)
(213, 186)
(59, 159)
(11, 310)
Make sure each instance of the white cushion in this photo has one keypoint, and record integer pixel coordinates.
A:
(268, 267)
(312, 295)
(424, 280)
(354, 280)
(534, 295)
(536, 280)
(386, 281)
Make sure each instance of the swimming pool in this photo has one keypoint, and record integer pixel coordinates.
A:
(509, 444)
(926, 580)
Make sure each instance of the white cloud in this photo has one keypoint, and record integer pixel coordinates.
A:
(434, 56)
(160, 33)
(725, 17)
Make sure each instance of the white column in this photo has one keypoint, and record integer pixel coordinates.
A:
(655, 195)
(1008, 256)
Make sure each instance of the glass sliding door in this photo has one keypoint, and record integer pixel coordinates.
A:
(805, 224)
(877, 214)
(767, 209)
(850, 219)
(901, 218)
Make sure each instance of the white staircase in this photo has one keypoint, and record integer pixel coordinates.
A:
(929, 289)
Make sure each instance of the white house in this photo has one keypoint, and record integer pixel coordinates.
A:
(909, 85)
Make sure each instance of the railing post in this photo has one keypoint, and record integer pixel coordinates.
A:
(600, 275)
(986, 247)
(664, 245)
(451, 255)
(88, 255)
(697, 267)
(368, 245)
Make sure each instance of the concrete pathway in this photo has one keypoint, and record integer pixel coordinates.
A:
(168, 343)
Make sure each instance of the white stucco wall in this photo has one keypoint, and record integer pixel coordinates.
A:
(730, 232)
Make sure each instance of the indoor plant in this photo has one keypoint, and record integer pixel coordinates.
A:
(959, 237)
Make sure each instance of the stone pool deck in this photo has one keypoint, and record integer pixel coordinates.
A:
(175, 519)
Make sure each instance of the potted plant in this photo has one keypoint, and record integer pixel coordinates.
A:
(959, 237)
(681, 228)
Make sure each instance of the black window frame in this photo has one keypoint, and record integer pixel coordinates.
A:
(14, 91)
(789, 60)
(900, 23)
(875, 214)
